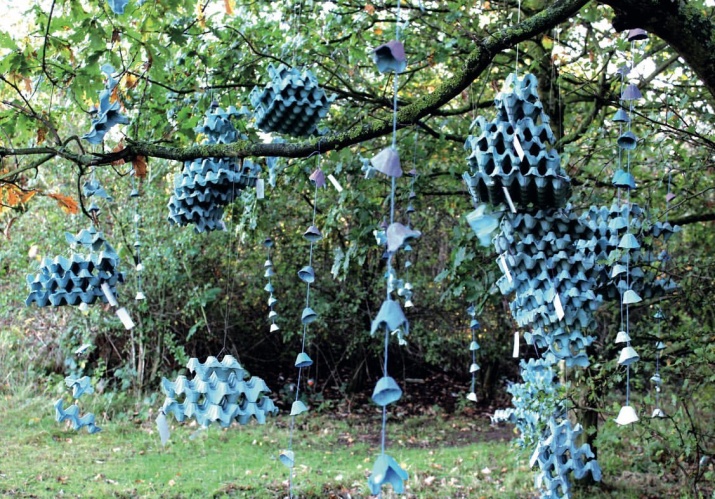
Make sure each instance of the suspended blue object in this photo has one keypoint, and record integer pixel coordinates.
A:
(386, 391)
(621, 116)
(79, 386)
(392, 316)
(628, 356)
(624, 180)
(287, 458)
(303, 360)
(313, 234)
(627, 141)
(398, 235)
(482, 224)
(206, 186)
(108, 114)
(627, 415)
(307, 274)
(631, 93)
(387, 470)
(390, 57)
(629, 242)
(298, 408)
(308, 315)
(387, 162)
(71, 414)
(118, 6)
(292, 102)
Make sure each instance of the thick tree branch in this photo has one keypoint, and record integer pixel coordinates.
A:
(473, 66)
(681, 25)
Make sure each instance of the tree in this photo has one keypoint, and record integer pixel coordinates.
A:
(172, 58)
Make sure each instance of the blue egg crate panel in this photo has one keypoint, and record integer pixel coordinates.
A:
(292, 102)
(108, 114)
(78, 279)
(557, 455)
(535, 179)
(206, 186)
(79, 386)
(218, 392)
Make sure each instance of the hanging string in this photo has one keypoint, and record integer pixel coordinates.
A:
(516, 61)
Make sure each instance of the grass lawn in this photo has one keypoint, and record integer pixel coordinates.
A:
(446, 457)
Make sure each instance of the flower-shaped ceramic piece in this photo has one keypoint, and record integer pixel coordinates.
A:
(387, 470)
(390, 57)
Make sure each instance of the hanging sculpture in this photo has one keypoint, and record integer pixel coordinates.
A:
(218, 391)
(303, 361)
(268, 274)
(79, 278)
(206, 185)
(390, 58)
(292, 102)
(79, 387)
(108, 114)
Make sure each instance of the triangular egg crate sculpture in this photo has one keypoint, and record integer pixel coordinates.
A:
(80, 278)
(108, 114)
(219, 392)
(206, 185)
(292, 102)
(79, 387)
(512, 153)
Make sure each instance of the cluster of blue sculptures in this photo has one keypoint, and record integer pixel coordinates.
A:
(206, 185)
(108, 113)
(218, 392)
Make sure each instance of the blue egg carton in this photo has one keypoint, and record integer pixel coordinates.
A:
(292, 102)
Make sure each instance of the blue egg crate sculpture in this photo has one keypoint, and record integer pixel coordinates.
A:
(557, 455)
(108, 114)
(292, 102)
(539, 384)
(540, 264)
(532, 179)
(218, 392)
(206, 185)
(78, 279)
(72, 413)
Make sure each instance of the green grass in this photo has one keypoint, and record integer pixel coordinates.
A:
(447, 457)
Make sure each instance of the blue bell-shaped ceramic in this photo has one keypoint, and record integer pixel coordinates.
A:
(307, 274)
(482, 224)
(621, 116)
(631, 93)
(390, 57)
(657, 413)
(308, 315)
(287, 458)
(622, 337)
(390, 314)
(386, 470)
(626, 416)
(624, 180)
(387, 162)
(386, 391)
(318, 178)
(627, 141)
(313, 234)
(629, 242)
(628, 356)
(630, 297)
(303, 360)
(473, 346)
(298, 408)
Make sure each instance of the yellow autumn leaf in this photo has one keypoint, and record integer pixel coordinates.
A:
(229, 6)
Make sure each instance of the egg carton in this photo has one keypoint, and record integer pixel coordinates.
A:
(514, 152)
(217, 392)
(292, 102)
(205, 186)
(78, 279)
(558, 455)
